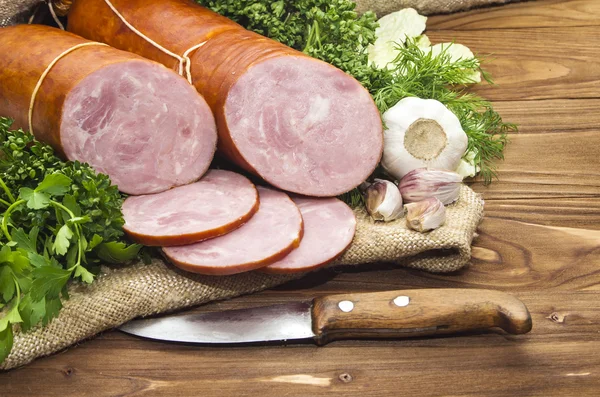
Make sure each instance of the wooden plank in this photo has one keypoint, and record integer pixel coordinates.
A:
(540, 240)
(538, 14)
(573, 213)
(547, 165)
(552, 115)
(560, 357)
(535, 63)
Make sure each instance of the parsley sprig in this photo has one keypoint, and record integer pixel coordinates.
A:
(58, 221)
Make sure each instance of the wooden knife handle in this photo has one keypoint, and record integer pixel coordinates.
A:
(419, 312)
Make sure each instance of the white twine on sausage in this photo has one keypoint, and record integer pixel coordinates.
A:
(185, 63)
(43, 76)
(54, 16)
(32, 17)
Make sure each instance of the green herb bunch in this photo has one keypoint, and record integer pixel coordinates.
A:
(58, 221)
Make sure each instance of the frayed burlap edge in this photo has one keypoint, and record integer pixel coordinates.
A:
(121, 294)
(424, 7)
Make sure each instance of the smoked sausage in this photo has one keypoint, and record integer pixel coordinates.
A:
(299, 123)
(126, 116)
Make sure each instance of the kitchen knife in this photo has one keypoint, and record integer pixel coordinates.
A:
(389, 314)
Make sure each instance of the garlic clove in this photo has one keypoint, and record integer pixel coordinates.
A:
(421, 133)
(383, 201)
(425, 215)
(422, 183)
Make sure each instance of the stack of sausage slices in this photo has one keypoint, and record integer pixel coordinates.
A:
(223, 224)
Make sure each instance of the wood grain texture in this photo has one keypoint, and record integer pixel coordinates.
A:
(561, 164)
(550, 14)
(552, 115)
(535, 63)
(540, 240)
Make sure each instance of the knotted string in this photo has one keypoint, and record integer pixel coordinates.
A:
(185, 66)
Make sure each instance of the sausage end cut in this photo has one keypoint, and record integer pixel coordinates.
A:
(272, 233)
(219, 203)
(128, 117)
(141, 124)
(315, 130)
(329, 227)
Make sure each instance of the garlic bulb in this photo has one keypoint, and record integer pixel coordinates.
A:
(421, 133)
(383, 201)
(425, 215)
(422, 183)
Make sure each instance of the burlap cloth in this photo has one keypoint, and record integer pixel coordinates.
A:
(424, 7)
(121, 294)
(18, 11)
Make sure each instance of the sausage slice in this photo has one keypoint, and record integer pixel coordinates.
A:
(273, 232)
(329, 226)
(219, 203)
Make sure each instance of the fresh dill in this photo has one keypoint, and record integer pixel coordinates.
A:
(419, 73)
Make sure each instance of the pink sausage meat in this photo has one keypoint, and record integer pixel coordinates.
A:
(141, 124)
(304, 126)
(217, 204)
(269, 235)
(128, 117)
(329, 227)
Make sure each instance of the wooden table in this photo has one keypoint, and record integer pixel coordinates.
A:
(540, 240)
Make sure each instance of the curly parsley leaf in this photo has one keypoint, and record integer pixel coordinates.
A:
(48, 282)
(32, 312)
(7, 283)
(12, 316)
(54, 184)
(37, 260)
(35, 200)
(26, 241)
(85, 275)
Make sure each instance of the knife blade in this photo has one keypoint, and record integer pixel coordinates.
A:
(389, 314)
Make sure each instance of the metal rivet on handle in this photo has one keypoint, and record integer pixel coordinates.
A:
(346, 306)
(401, 301)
